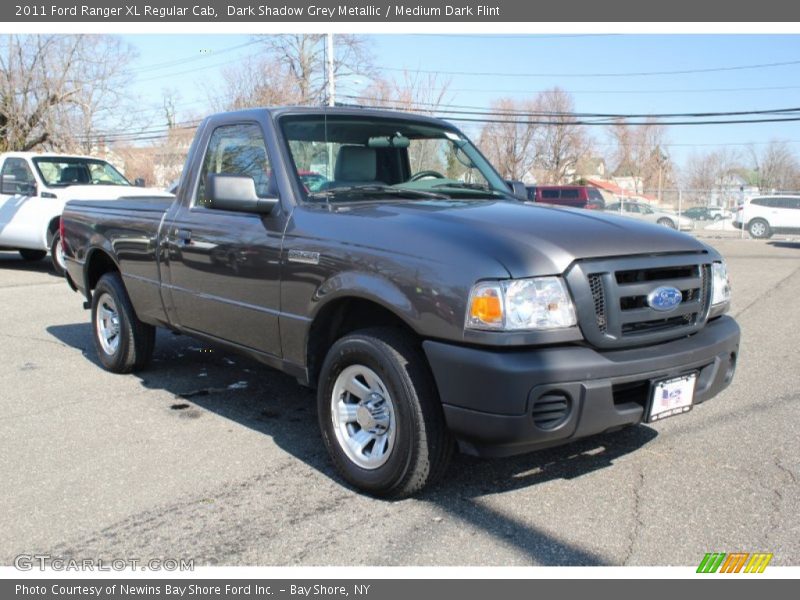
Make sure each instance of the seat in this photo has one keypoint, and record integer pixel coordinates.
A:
(355, 165)
(74, 174)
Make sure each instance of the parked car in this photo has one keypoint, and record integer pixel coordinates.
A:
(765, 215)
(699, 213)
(645, 212)
(426, 310)
(575, 196)
(33, 191)
(718, 213)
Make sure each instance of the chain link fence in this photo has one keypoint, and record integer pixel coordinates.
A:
(710, 210)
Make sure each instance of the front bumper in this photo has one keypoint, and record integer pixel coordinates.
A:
(491, 398)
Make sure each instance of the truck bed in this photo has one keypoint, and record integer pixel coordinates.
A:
(131, 227)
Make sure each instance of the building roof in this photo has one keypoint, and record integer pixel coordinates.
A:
(613, 188)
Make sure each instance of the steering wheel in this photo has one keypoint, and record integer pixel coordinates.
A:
(424, 174)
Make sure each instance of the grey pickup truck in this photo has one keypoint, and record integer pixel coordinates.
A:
(378, 257)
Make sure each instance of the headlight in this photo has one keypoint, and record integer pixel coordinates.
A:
(519, 304)
(721, 285)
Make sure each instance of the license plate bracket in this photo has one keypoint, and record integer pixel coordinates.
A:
(672, 396)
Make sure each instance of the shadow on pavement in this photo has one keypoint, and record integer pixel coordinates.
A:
(272, 403)
(791, 245)
(12, 261)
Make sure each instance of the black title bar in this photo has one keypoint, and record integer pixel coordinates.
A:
(608, 11)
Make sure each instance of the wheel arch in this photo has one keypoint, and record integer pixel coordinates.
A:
(344, 313)
(98, 262)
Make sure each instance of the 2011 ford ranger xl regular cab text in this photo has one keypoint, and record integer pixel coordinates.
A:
(429, 307)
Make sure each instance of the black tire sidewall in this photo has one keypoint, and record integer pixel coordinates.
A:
(667, 222)
(54, 248)
(360, 350)
(111, 285)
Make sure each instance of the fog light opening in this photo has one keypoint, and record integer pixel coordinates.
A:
(731, 368)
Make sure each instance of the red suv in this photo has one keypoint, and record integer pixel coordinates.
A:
(575, 196)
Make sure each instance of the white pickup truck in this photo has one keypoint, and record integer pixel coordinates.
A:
(34, 189)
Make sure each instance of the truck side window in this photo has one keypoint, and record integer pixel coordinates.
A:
(17, 177)
(236, 150)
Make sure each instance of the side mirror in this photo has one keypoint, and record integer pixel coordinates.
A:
(518, 189)
(138, 182)
(9, 185)
(237, 193)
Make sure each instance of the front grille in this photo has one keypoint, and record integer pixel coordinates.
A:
(599, 298)
(612, 298)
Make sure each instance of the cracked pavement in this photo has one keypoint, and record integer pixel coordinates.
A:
(211, 456)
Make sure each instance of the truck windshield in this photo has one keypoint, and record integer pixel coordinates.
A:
(355, 158)
(61, 171)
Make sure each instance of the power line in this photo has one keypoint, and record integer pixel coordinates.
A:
(586, 75)
(615, 92)
(514, 112)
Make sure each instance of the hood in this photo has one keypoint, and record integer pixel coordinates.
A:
(527, 239)
(104, 192)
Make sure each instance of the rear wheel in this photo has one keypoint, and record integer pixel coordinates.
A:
(32, 255)
(380, 415)
(57, 255)
(667, 222)
(123, 343)
(759, 229)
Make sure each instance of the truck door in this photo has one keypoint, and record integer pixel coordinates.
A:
(17, 203)
(224, 266)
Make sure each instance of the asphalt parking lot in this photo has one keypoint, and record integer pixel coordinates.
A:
(213, 457)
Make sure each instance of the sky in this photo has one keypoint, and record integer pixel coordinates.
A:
(605, 73)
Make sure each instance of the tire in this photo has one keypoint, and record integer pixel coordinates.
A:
(123, 343)
(759, 229)
(32, 255)
(57, 255)
(667, 222)
(398, 408)
(717, 217)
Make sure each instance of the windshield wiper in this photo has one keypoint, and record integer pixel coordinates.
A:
(478, 187)
(376, 188)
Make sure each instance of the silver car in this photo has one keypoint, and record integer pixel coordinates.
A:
(645, 212)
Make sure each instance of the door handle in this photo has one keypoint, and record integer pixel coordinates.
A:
(185, 235)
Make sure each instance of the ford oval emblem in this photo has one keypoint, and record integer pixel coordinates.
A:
(664, 298)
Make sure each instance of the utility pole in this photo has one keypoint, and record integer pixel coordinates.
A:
(331, 77)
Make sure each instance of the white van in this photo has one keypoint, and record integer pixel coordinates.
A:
(34, 189)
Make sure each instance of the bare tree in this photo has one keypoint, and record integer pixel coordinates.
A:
(776, 166)
(289, 69)
(256, 81)
(509, 141)
(712, 169)
(303, 57)
(55, 90)
(560, 146)
(638, 153)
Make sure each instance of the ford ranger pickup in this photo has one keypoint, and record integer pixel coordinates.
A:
(379, 258)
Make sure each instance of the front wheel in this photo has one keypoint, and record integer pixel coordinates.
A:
(57, 255)
(667, 223)
(32, 255)
(759, 229)
(380, 415)
(123, 343)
